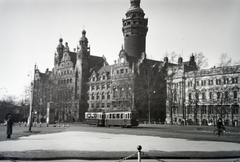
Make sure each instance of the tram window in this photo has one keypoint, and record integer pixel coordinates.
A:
(118, 116)
(110, 116)
(113, 116)
(126, 116)
(130, 115)
(121, 116)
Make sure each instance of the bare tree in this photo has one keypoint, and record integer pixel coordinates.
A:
(201, 60)
(225, 60)
(172, 56)
(151, 90)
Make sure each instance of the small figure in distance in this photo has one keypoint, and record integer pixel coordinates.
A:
(9, 126)
(220, 126)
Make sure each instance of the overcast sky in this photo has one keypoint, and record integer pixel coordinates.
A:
(30, 32)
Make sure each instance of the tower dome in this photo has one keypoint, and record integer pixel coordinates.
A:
(135, 6)
(83, 38)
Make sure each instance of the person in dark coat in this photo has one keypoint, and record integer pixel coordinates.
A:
(9, 126)
(220, 126)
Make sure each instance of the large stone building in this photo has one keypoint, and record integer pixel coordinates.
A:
(203, 96)
(133, 82)
(66, 85)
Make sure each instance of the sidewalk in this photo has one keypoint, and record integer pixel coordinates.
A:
(89, 145)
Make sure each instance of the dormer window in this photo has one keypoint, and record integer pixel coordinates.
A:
(104, 77)
(122, 71)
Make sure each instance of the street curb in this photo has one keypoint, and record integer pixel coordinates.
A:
(90, 155)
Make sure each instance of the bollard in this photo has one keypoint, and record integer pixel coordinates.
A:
(139, 152)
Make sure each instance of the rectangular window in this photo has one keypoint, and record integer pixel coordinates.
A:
(190, 96)
(197, 96)
(103, 96)
(122, 71)
(210, 110)
(235, 109)
(203, 96)
(226, 95)
(204, 110)
(235, 94)
(218, 95)
(210, 95)
(197, 83)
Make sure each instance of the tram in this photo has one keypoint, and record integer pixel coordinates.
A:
(112, 118)
(95, 118)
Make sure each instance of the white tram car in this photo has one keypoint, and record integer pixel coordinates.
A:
(113, 118)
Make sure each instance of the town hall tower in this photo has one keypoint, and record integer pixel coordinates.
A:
(135, 30)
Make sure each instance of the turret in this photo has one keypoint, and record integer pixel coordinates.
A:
(84, 51)
(60, 49)
(135, 30)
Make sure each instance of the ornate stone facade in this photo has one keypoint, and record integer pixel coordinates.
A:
(66, 85)
(203, 96)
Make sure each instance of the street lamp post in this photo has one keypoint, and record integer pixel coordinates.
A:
(30, 106)
(149, 107)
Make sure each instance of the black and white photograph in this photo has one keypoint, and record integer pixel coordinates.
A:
(120, 80)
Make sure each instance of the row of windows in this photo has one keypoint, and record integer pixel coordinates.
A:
(135, 22)
(214, 110)
(217, 82)
(100, 87)
(97, 96)
(65, 81)
(65, 72)
(122, 71)
(118, 116)
(98, 105)
(94, 78)
(219, 95)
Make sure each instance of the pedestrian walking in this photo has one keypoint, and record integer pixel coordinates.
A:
(9, 126)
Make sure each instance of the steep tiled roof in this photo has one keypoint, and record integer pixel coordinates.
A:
(73, 57)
